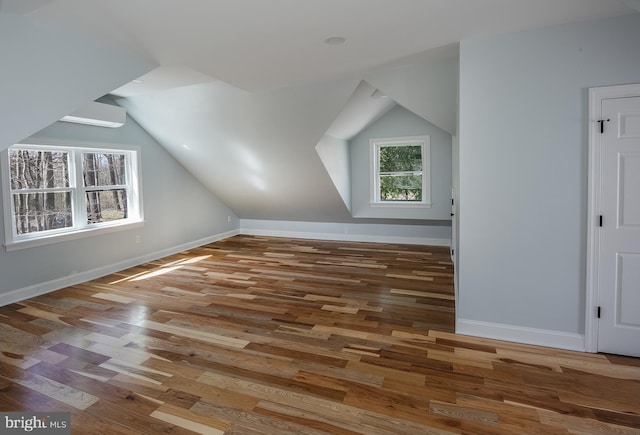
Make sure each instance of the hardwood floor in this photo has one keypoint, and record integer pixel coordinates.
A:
(256, 335)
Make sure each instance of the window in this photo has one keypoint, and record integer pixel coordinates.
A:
(54, 193)
(400, 168)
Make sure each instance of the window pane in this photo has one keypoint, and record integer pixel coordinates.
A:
(100, 169)
(401, 188)
(400, 158)
(106, 205)
(31, 169)
(34, 212)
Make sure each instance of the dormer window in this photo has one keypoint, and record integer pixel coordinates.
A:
(400, 171)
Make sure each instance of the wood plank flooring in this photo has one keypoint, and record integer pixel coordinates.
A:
(257, 335)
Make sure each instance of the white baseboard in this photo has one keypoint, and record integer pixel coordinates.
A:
(520, 334)
(347, 237)
(376, 233)
(56, 284)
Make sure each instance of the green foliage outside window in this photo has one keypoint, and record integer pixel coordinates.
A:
(400, 170)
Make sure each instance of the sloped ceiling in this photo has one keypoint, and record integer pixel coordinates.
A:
(257, 150)
(254, 150)
(428, 86)
(365, 105)
(247, 88)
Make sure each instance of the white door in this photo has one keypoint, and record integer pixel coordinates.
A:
(619, 254)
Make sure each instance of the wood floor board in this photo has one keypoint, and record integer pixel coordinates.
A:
(321, 423)
(254, 421)
(584, 425)
(93, 425)
(130, 418)
(188, 419)
(264, 335)
(514, 418)
(25, 326)
(210, 393)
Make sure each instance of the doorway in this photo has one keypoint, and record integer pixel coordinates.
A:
(613, 256)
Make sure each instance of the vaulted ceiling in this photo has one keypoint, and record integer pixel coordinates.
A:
(242, 91)
(257, 44)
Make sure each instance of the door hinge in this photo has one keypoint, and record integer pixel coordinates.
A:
(600, 224)
(602, 121)
(598, 312)
(453, 252)
(451, 201)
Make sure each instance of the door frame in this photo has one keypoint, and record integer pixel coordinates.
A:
(596, 95)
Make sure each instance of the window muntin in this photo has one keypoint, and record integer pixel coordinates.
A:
(54, 191)
(40, 190)
(104, 181)
(400, 168)
(39, 211)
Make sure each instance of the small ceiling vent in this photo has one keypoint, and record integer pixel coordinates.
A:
(98, 114)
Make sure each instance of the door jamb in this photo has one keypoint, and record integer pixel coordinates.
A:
(596, 95)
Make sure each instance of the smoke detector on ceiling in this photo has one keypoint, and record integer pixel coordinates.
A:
(335, 40)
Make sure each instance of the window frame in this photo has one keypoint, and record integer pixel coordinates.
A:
(374, 152)
(81, 228)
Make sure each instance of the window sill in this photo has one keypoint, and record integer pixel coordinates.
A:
(79, 234)
(400, 204)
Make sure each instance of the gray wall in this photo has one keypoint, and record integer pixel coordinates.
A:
(334, 154)
(523, 167)
(178, 210)
(401, 122)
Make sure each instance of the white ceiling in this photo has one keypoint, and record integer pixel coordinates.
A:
(245, 89)
(258, 44)
(261, 44)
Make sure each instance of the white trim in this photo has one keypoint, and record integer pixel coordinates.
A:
(5, 182)
(403, 204)
(344, 232)
(81, 228)
(56, 284)
(520, 334)
(98, 114)
(374, 149)
(71, 235)
(596, 96)
(66, 143)
(347, 237)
